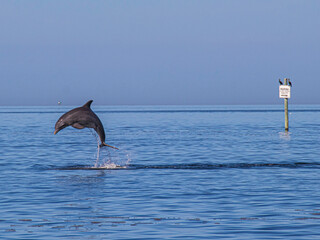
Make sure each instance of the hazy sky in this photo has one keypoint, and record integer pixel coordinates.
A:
(158, 52)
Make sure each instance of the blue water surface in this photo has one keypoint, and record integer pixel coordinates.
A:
(182, 172)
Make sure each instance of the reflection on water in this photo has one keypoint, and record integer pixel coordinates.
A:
(285, 135)
(93, 178)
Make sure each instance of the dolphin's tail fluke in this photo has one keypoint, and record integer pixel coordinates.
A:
(104, 144)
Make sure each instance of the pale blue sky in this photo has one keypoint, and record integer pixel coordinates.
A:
(158, 52)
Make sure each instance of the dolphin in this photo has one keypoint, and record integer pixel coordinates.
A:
(82, 117)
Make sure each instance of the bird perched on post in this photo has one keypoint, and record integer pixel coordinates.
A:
(280, 82)
(290, 84)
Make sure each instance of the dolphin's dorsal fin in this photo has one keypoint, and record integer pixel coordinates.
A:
(88, 104)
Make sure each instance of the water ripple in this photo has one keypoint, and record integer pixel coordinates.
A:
(194, 166)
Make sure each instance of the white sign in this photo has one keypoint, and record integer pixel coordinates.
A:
(284, 91)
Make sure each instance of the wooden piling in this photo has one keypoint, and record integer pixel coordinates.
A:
(286, 124)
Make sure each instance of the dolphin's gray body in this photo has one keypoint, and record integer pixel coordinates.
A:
(82, 117)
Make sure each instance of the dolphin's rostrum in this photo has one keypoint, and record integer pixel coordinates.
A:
(82, 117)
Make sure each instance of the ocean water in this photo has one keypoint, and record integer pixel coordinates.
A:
(182, 172)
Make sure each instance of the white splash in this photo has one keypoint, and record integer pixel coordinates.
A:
(98, 150)
(107, 158)
(112, 159)
(109, 165)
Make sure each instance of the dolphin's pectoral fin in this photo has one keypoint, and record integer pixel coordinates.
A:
(78, 126)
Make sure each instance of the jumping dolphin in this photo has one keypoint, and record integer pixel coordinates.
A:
(82, 117)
